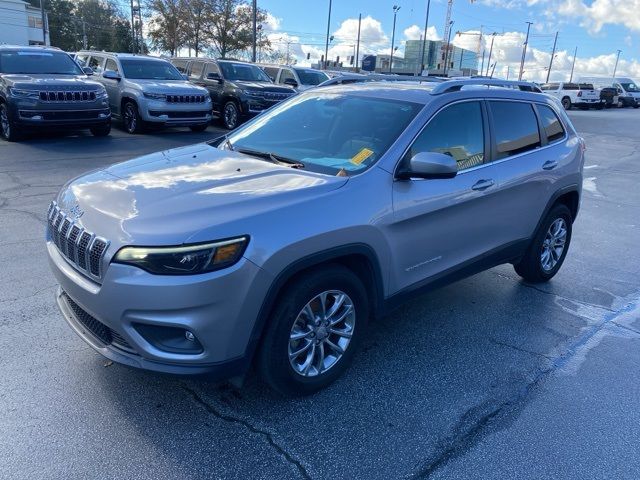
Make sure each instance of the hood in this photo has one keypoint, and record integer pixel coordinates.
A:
(177, 87)
(262, 86)
(167, 197)
(48, 82)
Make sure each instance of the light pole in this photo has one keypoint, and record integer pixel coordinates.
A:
(424, 38)
(493, 37)
(326, 45)
(393, 35)
(356, 69)
(446, 52)
(575, 52)
(524, 51)
(553, 54)
(615, 68)
(255, 30)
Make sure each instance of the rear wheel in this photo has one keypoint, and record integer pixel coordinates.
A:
(566, 103)
(7, 125)
(314, 331)
(548, 249)
(131, 118)
(101, 131)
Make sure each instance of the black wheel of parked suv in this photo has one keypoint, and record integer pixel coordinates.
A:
(7, 127)
(199, 128)
(566, 103)
(230, 115)
(549, 247)
(131, 118)
(101, 131)
(314, 331)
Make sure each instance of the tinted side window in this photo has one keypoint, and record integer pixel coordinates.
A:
(515, 128)
(211, 68)
(571, 86)
(111, 65)
(195, 72)
(286, 74)
(181, 65)
(96, 64)
(551, 123)
(457, 131)
(272, 72)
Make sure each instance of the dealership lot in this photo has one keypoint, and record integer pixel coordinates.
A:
(486, 378)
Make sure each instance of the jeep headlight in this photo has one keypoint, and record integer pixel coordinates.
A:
(102, 93)
(155, 96)
(184, 259)
(253, 93)
(21, 93)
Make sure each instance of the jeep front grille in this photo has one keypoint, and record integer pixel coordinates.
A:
(185, 98)
(81, 247)
(68, 96)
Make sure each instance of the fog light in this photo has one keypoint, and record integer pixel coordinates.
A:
(189, 336)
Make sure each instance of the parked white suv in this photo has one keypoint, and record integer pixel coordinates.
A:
(581, 95)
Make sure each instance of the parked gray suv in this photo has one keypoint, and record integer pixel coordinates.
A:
(146, 91)
(276, 244)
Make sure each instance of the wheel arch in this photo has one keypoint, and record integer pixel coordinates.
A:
(360, 258)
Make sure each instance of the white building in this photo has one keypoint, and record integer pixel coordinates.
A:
(21, 24)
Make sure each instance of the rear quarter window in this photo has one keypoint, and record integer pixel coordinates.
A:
(515, 128)
(551, 124)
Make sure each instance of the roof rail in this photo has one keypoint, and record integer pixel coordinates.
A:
(455, 85)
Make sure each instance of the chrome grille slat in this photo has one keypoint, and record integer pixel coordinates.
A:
(185, 98)
(82, 248)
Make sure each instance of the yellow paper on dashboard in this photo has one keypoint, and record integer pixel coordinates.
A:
(361, 156)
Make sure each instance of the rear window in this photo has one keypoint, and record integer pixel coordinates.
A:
(515, 128)
(552, 125)
(550, 86)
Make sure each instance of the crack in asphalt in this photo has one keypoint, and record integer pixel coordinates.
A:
(477, 421)
(268, 436)
(520, 349)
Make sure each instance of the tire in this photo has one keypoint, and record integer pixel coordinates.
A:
(101, 131)
(199, 128)
(600, 106)
(290, 377)
(8, 129)
(230, 115)
(636, 106)
(534, 266)
(131, 118)
(566, 103)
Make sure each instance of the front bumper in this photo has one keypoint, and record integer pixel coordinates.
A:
(220, 308)
(176, 114)
(36, 114)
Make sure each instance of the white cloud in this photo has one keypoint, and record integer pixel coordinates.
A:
(371, 32)
(414, 32)
(272, 23)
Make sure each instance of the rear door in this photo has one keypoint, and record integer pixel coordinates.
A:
(214, 87)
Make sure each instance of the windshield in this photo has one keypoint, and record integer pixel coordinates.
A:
(34, 62)
(311, 77)
(243, 71)
(630, 87)
(327, 132)
(149, 70)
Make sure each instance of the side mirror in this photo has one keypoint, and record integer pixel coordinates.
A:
(87, 70)
(291, 82)
(214, 76)
(429, 165)
(111, 75)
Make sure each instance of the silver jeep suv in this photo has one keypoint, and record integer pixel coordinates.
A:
(276, 244)
(145, 91)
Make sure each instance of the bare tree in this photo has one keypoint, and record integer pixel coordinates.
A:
(230, 29)
(167, 29)
(198, 16)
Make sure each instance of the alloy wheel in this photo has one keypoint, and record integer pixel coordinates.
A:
(321, 333)
(4, 122)
(230, 115)
(130, 120)
(553, 244)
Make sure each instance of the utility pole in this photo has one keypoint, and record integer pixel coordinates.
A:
(326, 45)
(133, 31)
(493, 37)
(508, 71)
(553, 54)
(424, 38)
(44, 23)
(393, 35)
(255, 30)
(446, 52)
(615, 69)
(358, 43)
(482, 65)
(575, 52)
(524, 51)
(84, 34)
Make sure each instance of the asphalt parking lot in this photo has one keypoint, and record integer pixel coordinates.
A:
(486, 378)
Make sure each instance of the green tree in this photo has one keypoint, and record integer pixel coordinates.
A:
(167, 25)
(63, 31)
(231, 27)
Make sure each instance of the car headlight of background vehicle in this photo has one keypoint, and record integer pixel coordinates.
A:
(155, 96)
(101, 94)
(252, 93)
(18, 92)
(184, 259)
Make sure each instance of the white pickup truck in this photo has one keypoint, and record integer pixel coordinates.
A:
(581, 95)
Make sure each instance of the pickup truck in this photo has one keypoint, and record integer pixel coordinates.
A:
(581, 95)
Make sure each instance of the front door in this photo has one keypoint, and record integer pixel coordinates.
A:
(112, 86)
(213, 86)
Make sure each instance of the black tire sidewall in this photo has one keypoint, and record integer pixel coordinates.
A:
(13, 135)
(273, 359)
(101, 131)
(224, 116)
(137, 116)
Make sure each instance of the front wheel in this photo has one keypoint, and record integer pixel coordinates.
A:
(549, 247)
(7, 126)
(566, 103)
(314, 331)
(101, 131)
(131, 118)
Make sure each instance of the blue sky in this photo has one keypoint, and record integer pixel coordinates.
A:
(303, 23)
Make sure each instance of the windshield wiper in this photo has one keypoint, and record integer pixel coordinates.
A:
(273, 158)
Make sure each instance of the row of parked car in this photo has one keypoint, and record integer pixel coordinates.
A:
(595, 92)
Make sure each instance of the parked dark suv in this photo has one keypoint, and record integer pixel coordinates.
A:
(43, 87)
(239, 90)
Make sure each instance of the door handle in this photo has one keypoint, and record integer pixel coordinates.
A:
(549, 164)
(483, 184)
